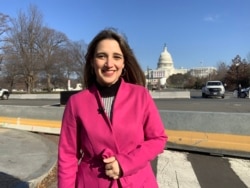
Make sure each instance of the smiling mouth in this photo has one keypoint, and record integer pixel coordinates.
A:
(108, 72)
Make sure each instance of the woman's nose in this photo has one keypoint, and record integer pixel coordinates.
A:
(109, 62)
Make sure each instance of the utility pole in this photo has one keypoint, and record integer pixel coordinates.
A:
(237, 78)
(148, 77)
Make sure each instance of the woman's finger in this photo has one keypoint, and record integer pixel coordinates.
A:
(109, 160)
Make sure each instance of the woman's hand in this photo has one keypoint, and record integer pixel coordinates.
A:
(112, 168)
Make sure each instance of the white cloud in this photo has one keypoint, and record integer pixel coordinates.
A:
(211, 18)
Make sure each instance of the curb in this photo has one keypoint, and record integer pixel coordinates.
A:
(26, 158)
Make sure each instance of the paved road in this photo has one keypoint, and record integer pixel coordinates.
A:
(181, 169)
(195, 103)
(31, 102)
(206, 105)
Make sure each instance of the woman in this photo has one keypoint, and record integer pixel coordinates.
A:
(112, 129)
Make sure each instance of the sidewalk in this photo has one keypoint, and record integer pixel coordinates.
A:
(25, 158)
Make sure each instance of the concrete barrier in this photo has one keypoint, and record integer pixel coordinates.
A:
(154, 94)
(32, 112)
(220, 133)
(212, 122)
(171, 94)
(35, 96)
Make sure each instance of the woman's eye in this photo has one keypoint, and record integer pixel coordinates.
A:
(117, 57)
(100, 56)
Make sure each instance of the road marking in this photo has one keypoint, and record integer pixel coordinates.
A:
(175, 171)
(242, 168)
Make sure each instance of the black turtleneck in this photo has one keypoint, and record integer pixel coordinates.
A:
(108, 91)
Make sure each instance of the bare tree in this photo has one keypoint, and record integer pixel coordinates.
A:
(222, 69)
(11, 74)
(72, 63)
(50, 44)
(238, 73)
(77, 54)
(4, 21)
(248, 57)
(176, 80)
(21, 44)
(67, 64)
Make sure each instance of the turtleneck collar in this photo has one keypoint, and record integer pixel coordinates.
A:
(108, 91)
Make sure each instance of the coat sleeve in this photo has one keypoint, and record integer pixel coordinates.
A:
(154, 142)
(67, 150)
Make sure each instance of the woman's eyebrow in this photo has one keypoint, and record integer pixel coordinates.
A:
(116, 53)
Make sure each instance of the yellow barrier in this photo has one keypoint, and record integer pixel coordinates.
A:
(187, 138)
(35, 122)
(210, 140)
(36, 125)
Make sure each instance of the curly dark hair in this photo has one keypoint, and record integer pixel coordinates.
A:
(132, 72)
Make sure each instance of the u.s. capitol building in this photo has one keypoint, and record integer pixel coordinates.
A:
(165, 68)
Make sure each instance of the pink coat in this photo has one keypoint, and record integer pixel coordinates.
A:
(135, 137)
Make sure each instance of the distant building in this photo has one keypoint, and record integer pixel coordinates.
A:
(165, 68)
(202, 71)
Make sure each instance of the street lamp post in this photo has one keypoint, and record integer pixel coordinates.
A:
(237, 77)
(148, 76)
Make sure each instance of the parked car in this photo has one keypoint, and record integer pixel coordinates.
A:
(4, 94)
(213, 89)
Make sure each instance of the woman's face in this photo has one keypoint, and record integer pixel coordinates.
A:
(108, 62)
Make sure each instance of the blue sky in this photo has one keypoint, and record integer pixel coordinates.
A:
(196, 32)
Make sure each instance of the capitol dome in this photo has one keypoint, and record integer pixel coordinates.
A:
(165, 60)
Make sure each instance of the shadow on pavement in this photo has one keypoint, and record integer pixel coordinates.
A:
(208, 174)
(8, 181)
(154, 165)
